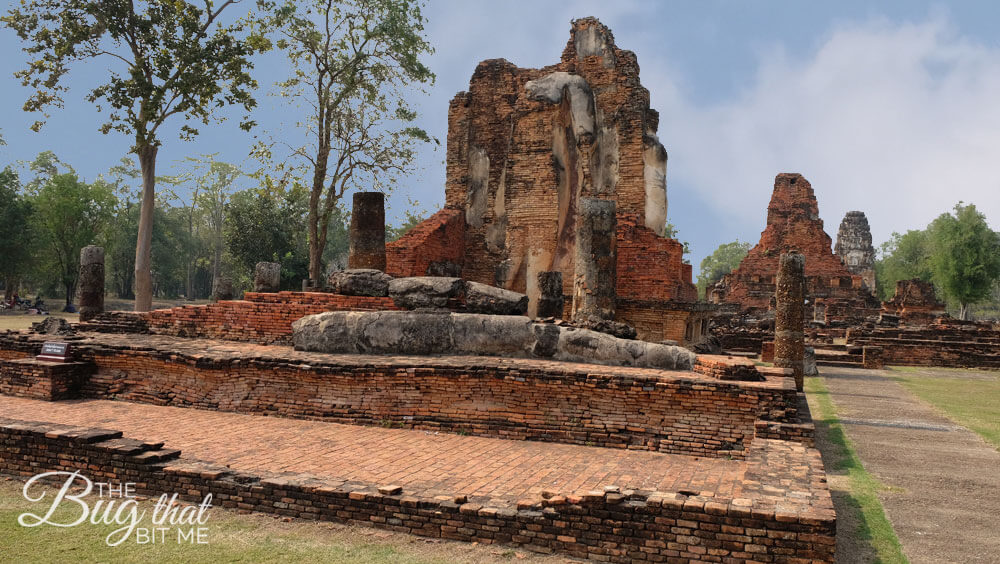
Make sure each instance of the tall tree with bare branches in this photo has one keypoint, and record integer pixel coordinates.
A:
(352, 61)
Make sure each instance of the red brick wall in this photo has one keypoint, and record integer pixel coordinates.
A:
(441, 237)
(650, 267)
(259, 318)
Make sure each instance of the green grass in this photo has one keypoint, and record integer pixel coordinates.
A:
(971, 402)
(232, 537)
(873, 526)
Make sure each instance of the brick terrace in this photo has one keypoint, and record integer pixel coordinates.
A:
(423, 462)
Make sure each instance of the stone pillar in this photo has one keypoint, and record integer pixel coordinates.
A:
(368, 231)
(91, 282)
(594, 272)
(222, 288)
(550, 294)
(267, 277)
(789, 339)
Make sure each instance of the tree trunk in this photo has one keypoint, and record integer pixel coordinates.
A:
(963, 312)
(69, 294)
(144, 241)
(315, 250)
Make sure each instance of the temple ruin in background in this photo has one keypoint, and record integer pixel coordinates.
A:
(854, 247)
(834, 293)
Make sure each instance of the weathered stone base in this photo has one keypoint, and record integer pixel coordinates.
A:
(611, 525)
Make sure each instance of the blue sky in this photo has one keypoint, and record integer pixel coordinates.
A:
(892, 108)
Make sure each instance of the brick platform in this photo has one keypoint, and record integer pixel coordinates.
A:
(590, 502)
(635, 408)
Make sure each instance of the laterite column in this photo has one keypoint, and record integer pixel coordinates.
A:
(789, 338)
(91, 282)
(368, 231)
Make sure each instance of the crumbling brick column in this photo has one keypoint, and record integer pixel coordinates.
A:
(368, 231)
(267, 277)
(550, 294)
(91, 282)
(871, 358)
(789, 339)
(594, 269)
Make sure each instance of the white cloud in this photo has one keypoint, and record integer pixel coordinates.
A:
(900, 121)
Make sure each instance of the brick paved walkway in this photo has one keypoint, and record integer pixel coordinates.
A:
(420, 461)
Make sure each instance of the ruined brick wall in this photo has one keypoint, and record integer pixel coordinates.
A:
(606, 526)
(651, 267)
(547, 401)
(915, 302)
(526, 145)
(263, 318)
(439, 239)
(932, 345)
(793, 223)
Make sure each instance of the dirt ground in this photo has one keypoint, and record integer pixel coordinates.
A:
(944, 480)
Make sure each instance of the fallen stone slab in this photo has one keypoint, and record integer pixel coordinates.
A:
(445, 333)
(360, 282)
(482, 298)
(425, 291)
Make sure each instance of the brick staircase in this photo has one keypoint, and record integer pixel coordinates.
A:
(841, 356)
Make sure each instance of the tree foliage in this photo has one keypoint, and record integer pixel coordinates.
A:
(721, 262)
(351, 60)
(172, 58)
(966, 256)
(15, 230)
(903, 257)
(69, 215)
(958, 252)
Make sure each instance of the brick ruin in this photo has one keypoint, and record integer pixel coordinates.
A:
(526, 149)
(836, 295)
(556, 203)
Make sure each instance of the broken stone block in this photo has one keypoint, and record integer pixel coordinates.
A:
(360, 282)
(425, 291)
(550, 294)
(481, 298)
(267, 277)
(809, 362)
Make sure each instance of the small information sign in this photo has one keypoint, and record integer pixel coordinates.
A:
(54, 352)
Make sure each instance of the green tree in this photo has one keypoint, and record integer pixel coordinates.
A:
(15, 231)
(69, 215)
(174, 57)
(965, 256)
(351, 61)
(903, 257)
(721, 262)
(267, 224)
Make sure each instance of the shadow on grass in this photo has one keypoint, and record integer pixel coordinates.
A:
(870, 536)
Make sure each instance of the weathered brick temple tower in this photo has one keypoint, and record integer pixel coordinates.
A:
(526, 149)
(833, 292)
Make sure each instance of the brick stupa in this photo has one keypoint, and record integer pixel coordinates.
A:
(793, 224)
